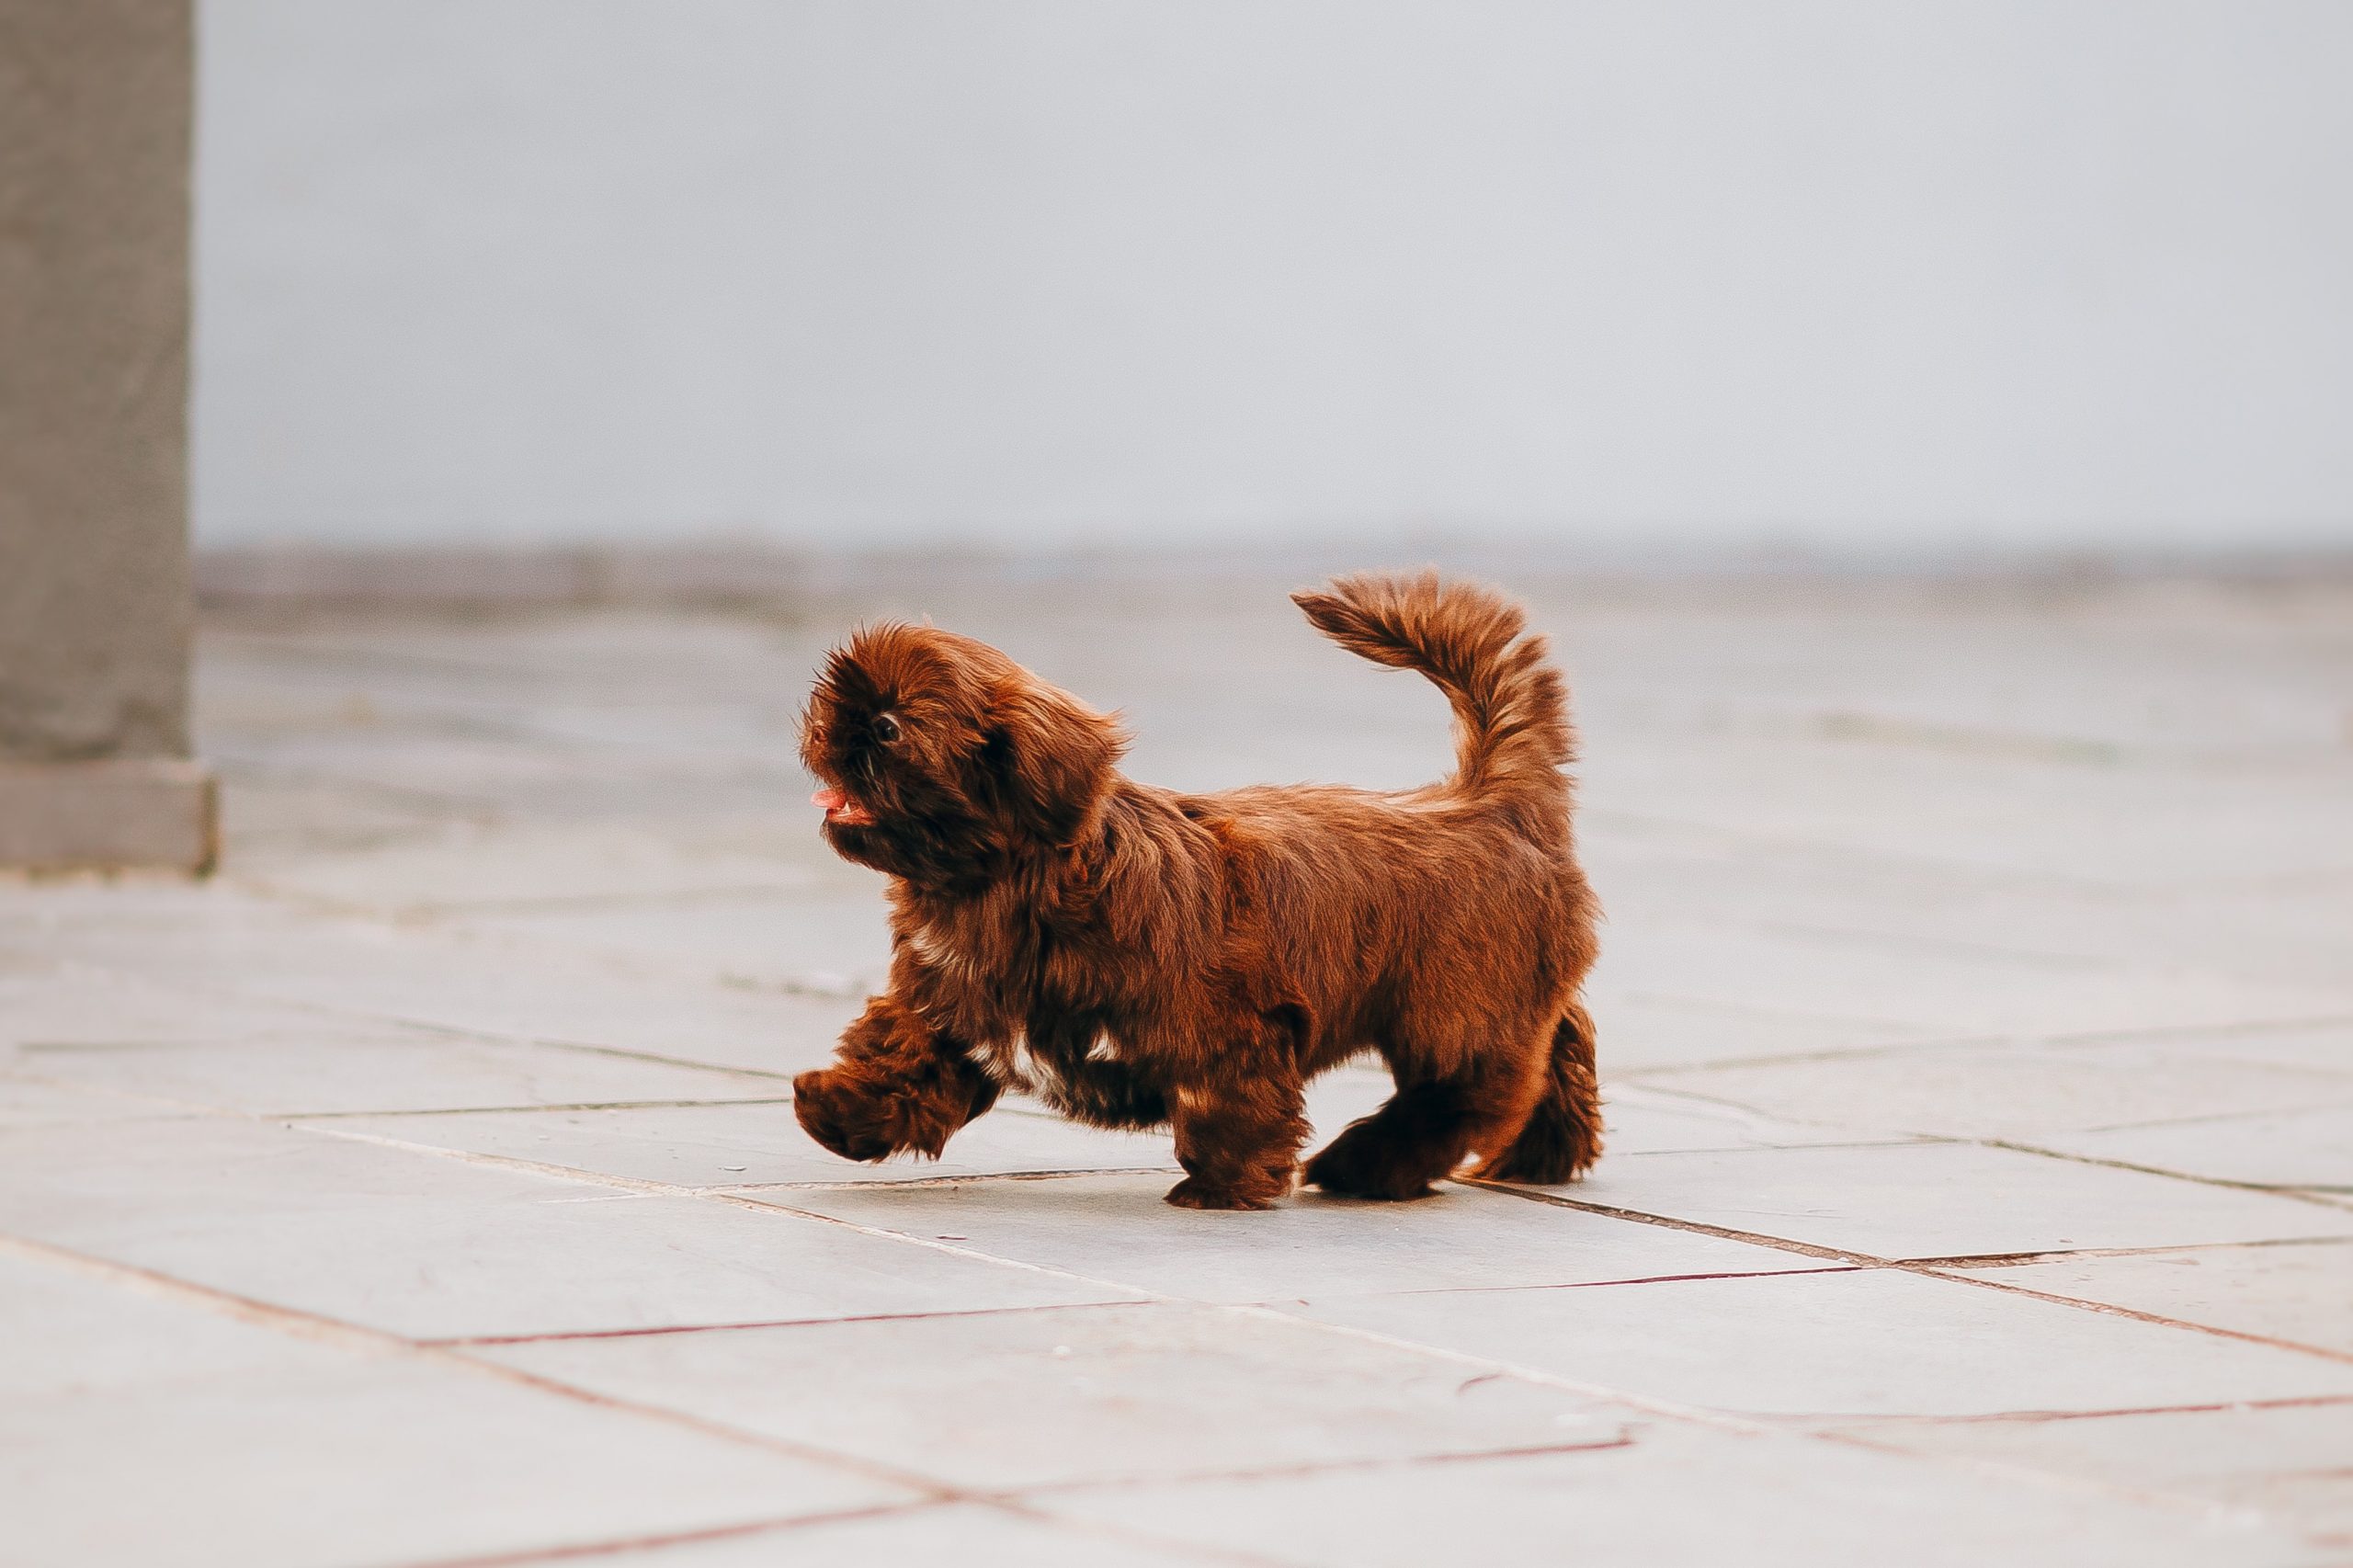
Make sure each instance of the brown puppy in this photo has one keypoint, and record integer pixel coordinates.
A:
(1136, 955)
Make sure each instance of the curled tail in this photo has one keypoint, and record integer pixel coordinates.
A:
(1510, 705)
(1562, 1135)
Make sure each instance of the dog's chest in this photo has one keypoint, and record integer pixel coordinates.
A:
(1003, 960)
(1029, 1028)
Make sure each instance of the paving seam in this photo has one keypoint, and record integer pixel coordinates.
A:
(1664, 1409)
(1940, 1268)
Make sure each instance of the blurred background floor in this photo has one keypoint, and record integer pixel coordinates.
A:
(1976, 1016)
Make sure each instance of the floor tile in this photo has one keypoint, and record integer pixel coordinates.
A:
(2284, 1467)
(2328, 1046)
(1010, 1401)
(65, 1333)
(322, 1073)
(835, 941)
(1927, 1200)
(2012, 1092)
(2062, 866)
(1642, 1031)
(747, 1146)
(78, 1004)
(1841, 1343)
(243, 951)
(2301, 1149)
(1958, 989)
(377, 1462)
(1638, 1120)
(1678, 1495)
(26, 1103)
(433, 1248)
(2302, 1293)
(1115, 1227)
(965, 1534)
(517, 865)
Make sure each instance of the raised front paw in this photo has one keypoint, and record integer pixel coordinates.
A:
(1195, 1193)
(851, 1121)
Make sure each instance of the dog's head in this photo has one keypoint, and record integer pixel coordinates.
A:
(939, 758)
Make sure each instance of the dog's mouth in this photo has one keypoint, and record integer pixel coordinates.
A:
(840, 810)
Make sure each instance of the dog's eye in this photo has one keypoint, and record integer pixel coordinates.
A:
(886, 729)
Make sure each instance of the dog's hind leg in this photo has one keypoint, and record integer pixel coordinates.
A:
(1431, 1122)
(1563, 1134)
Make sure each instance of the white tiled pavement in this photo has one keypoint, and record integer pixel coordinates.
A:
(1977, 1019)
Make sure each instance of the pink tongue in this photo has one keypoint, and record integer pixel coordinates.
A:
(832, 799)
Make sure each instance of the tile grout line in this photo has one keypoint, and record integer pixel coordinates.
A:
(1134, 1293)
(2053, 1417)
(1694, 1416)
(310, 1325)
(1939, 865)
(2023, 1259)
(853, 1185)
(2295, 1195)
(569, 1336)
(1898, 1138)
(431, 913)
(1936, 1268)
(589, 1551)
(1722, 1421)
(1935, 1040)
(308, 1115)
(1835, 1255)
(1296, 1470)
(175, 1108)
(319, 1328)
(642, 1188)
(201, 988)
(655, 1540)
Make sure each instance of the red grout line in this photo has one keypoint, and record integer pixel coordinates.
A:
(669, 1538)
(1947, 1269)
(2062, 1254)
(1050, 1489)
(2048, 1418)
(1629, 1279)
(1698, 1227)
(1722, 1421)
(524, 1109)
(2292, 1194)
(783, 1527)
(855, 1185)
(2112, 1309)
(492, 1341)
(301, 1323)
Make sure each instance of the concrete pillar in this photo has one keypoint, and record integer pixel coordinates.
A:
(94, 610)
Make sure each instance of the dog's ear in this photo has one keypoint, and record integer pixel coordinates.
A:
(1050, 757)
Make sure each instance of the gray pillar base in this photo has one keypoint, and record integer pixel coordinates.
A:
(140, 813)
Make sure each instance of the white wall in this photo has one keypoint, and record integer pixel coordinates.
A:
(869, 271)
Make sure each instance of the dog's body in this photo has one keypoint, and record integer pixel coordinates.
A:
(1136, 955)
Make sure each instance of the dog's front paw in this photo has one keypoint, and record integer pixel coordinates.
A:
(1195, 1193)
(837, 1114)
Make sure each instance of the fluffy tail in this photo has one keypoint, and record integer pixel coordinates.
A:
(1511, 715)
(1562, 1135)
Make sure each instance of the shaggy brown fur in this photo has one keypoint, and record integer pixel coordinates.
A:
(1137, 955)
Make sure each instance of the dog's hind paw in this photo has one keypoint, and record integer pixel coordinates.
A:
(1361, 1163)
